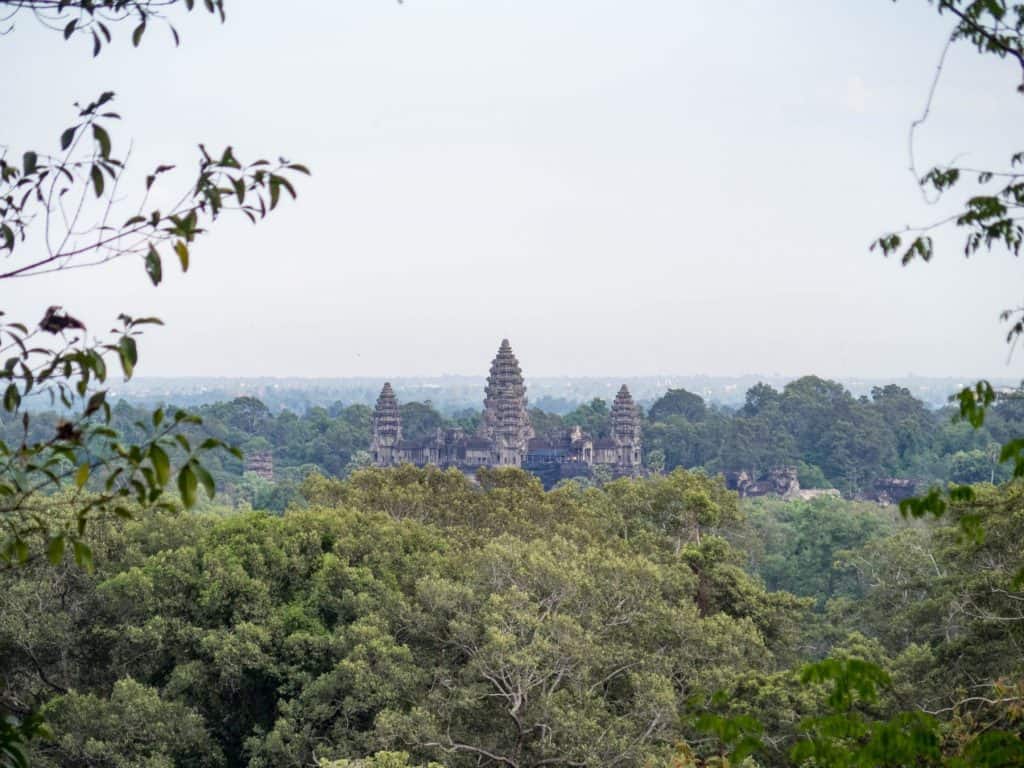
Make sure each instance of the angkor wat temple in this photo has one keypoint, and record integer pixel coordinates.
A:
(506, 438)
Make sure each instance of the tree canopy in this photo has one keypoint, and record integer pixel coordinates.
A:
(409, 616)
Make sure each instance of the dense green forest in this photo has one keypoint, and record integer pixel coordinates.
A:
(834, 439)
(418, 616)
(341, 616)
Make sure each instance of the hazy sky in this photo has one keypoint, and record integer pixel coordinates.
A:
(619, 188)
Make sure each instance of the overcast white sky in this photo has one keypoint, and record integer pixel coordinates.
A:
(620, 188)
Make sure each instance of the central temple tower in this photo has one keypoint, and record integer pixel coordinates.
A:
(505, 421)
(387, 427)
(626, 432)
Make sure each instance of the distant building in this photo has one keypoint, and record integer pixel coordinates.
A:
(782, 481)
(506, 438)
(260, 463)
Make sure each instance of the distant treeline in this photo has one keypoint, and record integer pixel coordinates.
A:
(451, 393)
(816, 425)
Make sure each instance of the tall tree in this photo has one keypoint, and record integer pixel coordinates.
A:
(678, 402)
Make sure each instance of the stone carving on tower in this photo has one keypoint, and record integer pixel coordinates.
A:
(626, 432)
(387, 428)
(505, 421)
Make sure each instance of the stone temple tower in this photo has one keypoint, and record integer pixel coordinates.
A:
(626, 431)
(505, 419)
(387, 427)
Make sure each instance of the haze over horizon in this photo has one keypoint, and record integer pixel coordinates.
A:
(482, 375)
(618, 191)
(452, 393)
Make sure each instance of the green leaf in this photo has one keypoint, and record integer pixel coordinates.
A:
(919, 506)
(228, 159)
(974, 401)
(154, 268)
(961, 493)
(69, 28)
(95, 403)
(55, 549)
(128, 353)
(182, 250)
(275, 191)
(67, 137)
(161, 463)
(103, 139)
(12, 398)
(83, 555)
(137, 34)
(97, 180)
(82, 475)
(187, 485)
(19, 549)
(286, 184)
(29, 162)
(206, 479)
(1011, 449)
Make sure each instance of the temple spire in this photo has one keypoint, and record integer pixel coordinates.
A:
(624, 417)
(387, 426)
(626, 431)
(505, 418)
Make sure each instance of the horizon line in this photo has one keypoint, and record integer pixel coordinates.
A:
(753, 375)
